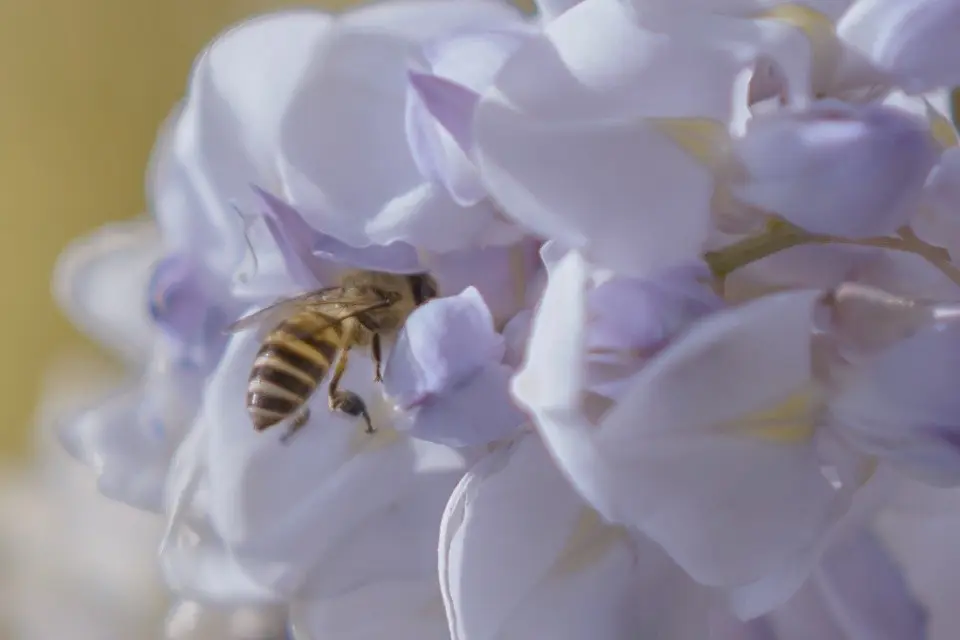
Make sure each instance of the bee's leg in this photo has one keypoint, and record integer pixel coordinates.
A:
(299, 420)
(346, 401)
(377, 357)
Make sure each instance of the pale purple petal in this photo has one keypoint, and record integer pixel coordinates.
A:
(293, 237)
(904, 406)
(450, 103)
(867, 593)
(505, 276)
(442, 345)
(477, 413)
(836, 168)
(642, 314)
(307, 251)
(128, 455)
(441, 102)
(185, 304)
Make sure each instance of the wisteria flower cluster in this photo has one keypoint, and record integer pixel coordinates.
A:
(691, 370)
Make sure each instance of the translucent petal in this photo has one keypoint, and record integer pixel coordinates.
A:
(441, 105)
(689, 455)
(98, 280)
(887, 610)
(283, 510)
(478, 412)
(921, 534)
(628, 180)
(442, 345)
(521, 556)
(506, 276)
(910, 420)
(346, 160)
(128, 438)
(307, 252)
(912, 41)
(225, 138)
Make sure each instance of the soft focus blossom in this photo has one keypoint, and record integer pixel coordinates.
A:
(728, 474)
(74, 565)
(913, 41)
(695, 328)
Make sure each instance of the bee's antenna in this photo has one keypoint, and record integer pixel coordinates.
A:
(246, 222)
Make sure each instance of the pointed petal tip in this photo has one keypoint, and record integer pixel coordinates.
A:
(451, 103)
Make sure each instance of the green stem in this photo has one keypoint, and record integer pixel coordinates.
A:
(781, 235)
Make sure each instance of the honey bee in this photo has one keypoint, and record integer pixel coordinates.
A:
(318, 328)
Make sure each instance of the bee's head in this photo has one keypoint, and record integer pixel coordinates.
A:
(424, 288)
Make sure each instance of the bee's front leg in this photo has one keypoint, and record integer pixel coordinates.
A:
(347, 402)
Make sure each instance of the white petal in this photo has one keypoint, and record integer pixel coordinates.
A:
(669, 458)
(225, 139)
(346, 161)
(283, 510)
(887, 610)
(382, 580)
(99, 279)
(913, 41)
(572, 97)
(521, 556)
(909, 419)
(922, 536)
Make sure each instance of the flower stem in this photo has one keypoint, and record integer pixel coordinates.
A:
(780, 235)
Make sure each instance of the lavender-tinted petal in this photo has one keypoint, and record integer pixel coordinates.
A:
(442, 344)
(634, 314)
(450, 103)
(867, 593)
(305, 250)
(504, 276)
(293, 236)
(476, 413)
(396, 257)
(184, 304)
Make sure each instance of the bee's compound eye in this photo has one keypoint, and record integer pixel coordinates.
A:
(424, 288)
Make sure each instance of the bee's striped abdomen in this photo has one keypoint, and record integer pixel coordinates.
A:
(293, 360)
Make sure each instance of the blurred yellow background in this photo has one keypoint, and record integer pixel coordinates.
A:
(85, 84)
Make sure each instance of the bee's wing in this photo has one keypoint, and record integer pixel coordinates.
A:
(284, 306)
(344, 302)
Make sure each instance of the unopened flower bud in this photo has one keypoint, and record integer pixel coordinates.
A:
(837, 169)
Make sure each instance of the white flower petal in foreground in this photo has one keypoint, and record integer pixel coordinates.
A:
(716, 448)
(857, 593)
(921, 530)
(99, 280)
(522, 556)
(334, 516)
(574, 145)
(836, 168)
(916, 42)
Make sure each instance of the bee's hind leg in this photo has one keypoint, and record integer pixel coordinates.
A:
(347, 402)
(299, 420)
(353, 405)
(377, 358)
